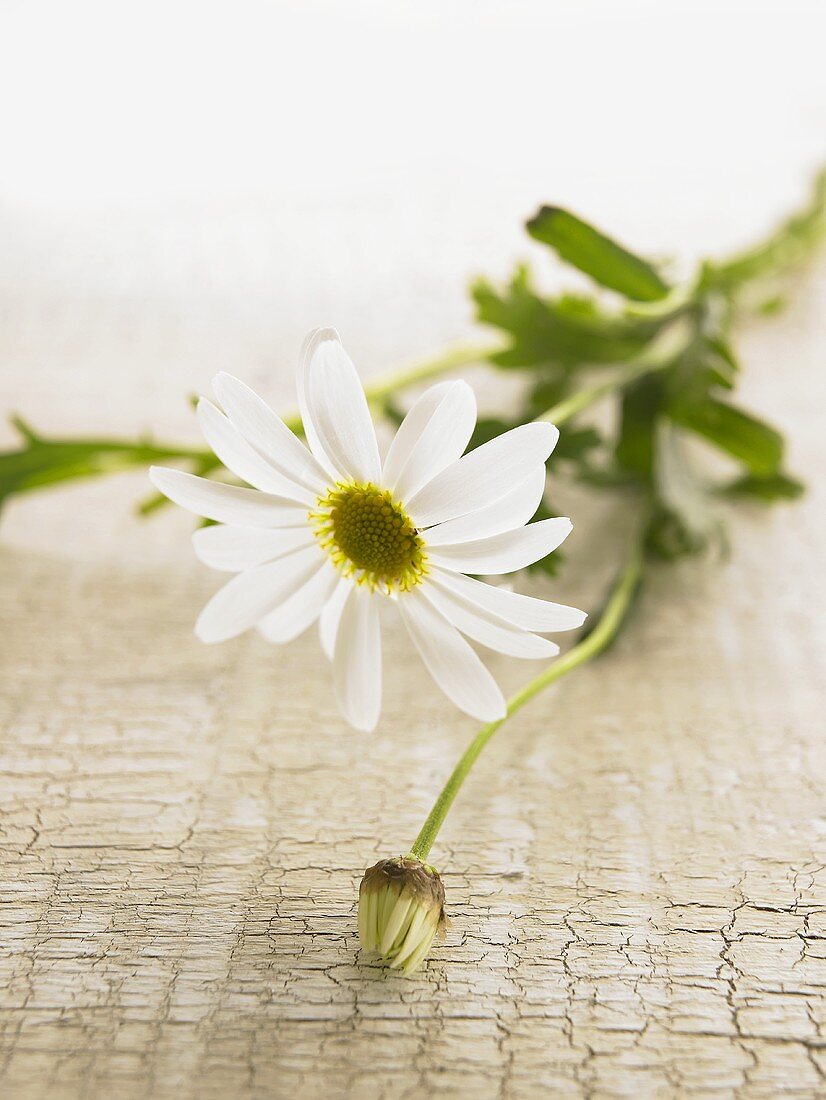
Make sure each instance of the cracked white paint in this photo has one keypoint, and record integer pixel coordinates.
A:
(181, 860)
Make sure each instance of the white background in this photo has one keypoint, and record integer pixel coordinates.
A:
(190, 187)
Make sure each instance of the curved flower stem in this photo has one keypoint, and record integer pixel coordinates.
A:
(595, 642)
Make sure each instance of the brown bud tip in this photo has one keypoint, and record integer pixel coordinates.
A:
(401, 907)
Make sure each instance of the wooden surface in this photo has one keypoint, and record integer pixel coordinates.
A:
(636, 871)
(635, 874)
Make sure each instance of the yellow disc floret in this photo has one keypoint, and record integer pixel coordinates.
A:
(370, 537)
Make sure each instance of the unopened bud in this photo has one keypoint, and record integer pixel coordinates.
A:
(401, 908)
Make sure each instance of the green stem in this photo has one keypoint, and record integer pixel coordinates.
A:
(594, 643)
(42, 462)
(462, 355)
(577, 402)
(789, 245)
(667, 346)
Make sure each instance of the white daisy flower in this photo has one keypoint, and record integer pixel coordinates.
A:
(328, 531)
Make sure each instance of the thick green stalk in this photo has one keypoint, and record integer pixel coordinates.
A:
(594, 643)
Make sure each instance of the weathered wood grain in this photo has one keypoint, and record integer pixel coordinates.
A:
(636, 873)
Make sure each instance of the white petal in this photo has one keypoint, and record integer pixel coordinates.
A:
(253, 594)
(357, 660)
(226, 503)
(331, 617)
(301, 610)
(523, 611)
(511, 511)
(410, 429)
(337, 416)
(441, 441)
(484, 475)
(450, 660)
(242, 459)
(487, 629)
(311, 342)
(268, 434)
(504, 553)
(238, 548)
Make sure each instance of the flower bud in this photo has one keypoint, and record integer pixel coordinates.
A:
(401, 907)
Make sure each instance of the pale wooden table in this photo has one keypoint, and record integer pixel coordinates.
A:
(636, 872)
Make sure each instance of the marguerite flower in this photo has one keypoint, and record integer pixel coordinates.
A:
(329, 532)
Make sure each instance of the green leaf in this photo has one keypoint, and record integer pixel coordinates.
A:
(548, 566)
(669, 537)
(641, 405)
(563, 332)
(757, 445)
(770, 307)
(549, 389)
(774, 487)
(721, 363)
(682, 521)
(610, 476)
(789, 245)
(605, 261)
(42, 462)
(575, 443)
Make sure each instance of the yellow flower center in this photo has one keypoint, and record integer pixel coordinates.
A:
(370, 537)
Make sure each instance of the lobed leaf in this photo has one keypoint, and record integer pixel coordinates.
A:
(564, 332)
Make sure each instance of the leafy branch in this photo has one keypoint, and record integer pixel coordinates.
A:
(658, 354)
(661, 353)
(578, 351)
(674, 385)
(40, 461)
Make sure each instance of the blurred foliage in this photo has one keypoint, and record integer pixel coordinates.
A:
(660, 352)
(580, 351)
(41, 462)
